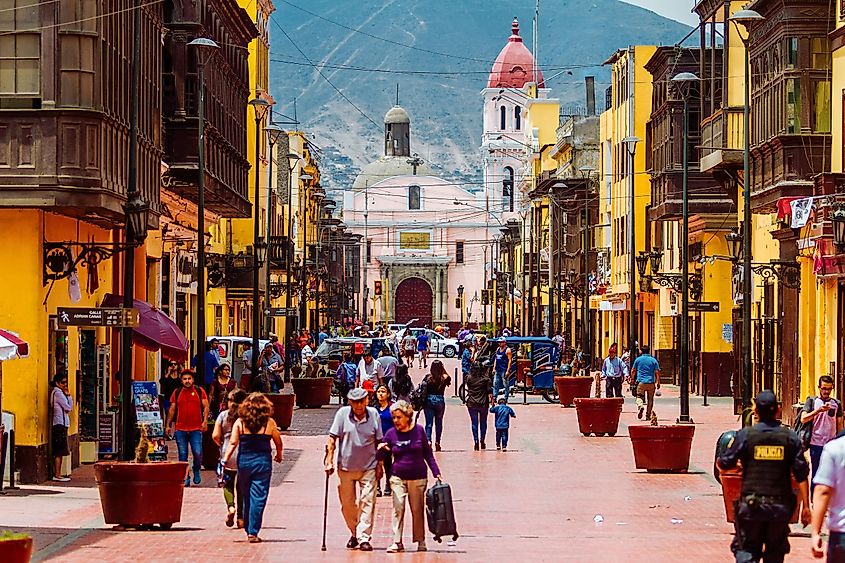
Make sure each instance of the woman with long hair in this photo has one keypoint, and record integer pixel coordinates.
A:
(479, 390)
(221, 435)
(401, 385)
(382, 404)
(251, 435)
(435, 404)
(220, 387)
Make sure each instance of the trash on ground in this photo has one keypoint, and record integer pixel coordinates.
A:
(687, 498)
(598, 519)
(677, 521)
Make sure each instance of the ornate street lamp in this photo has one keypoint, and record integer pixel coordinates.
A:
(837, 217)
(630, 143)
(746, 18)
(734, 240)
(260, 106)
(273, 132)
(684, 82)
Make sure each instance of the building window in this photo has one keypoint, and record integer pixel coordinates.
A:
(459, 252)
(821, 111)
(507, 190)
(517, 118)
(20, 51)
(369, 250)
(503, 118)
(793, 106)
(791, 52)
(77, 70)
(413, 197)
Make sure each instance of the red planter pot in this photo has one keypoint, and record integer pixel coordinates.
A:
(141, 494)
(282, 408)
(599, 416)
(210, 450)
(312, 392)
(570, 387)
(17, 550)
(663, 447)
(732, 487)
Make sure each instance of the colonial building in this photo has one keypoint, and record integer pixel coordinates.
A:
(423, 237)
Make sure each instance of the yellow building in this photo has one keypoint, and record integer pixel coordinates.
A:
(542, 118)
(625, 118)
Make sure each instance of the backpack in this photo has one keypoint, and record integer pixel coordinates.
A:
(419, 396)
(805, 429)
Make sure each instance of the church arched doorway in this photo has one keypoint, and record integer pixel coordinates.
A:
(413, 300)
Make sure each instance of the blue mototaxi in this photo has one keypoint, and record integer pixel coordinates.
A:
(543, 354)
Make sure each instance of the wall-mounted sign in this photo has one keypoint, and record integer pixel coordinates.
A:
(414, 240)
(97, 316)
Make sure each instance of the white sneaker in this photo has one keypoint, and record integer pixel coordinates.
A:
(396, 548)
(61, 479)
(421, 546)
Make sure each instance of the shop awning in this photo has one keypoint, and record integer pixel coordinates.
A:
(12, 346)
(155, 331)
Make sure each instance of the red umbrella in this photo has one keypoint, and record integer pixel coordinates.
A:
(155, 331)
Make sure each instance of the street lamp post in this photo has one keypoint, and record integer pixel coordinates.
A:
(746, 18)
(137, 211)
(273, 133)
(461, 303)
(631, 145)
(260, 106)
(205, 48)
(293, 161)
(588, 329)
(685, 81)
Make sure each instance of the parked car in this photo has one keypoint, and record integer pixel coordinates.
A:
(335, 348)
(440, 345)
(396, 327)
(231, 350)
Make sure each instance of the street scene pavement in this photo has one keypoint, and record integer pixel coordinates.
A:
(553, 496)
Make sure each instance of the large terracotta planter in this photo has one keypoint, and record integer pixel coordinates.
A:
(598, 416)
(312, 392)
(16, 550)
(210, 450)
(732, 487)
(141, 494)
(662, 448)
(570, 387)
(523, 367)
(282, 408)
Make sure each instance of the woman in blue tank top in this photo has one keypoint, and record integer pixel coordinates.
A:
(251, 435)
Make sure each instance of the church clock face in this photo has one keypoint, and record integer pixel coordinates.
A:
(414, 300)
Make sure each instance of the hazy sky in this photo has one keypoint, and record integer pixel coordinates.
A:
(680, 10)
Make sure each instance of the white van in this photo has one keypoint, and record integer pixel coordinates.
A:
(231, 350)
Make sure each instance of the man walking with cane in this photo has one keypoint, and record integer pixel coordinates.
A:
(355, 433)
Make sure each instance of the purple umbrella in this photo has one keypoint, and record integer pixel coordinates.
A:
(155, 331)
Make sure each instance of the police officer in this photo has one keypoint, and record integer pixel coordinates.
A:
(769, 453)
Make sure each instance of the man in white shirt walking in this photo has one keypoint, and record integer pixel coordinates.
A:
(613, 371)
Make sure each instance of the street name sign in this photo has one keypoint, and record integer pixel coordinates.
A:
(97, 316)
(704, 306)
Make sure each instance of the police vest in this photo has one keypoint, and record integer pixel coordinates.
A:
(767, 463)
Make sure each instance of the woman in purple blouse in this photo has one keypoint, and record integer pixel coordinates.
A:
(412, 457)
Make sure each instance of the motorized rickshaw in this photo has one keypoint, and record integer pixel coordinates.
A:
(538, 376)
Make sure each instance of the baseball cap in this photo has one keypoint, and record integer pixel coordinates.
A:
(356, 394)
(502, 339)
(766, 401)
(500, 397)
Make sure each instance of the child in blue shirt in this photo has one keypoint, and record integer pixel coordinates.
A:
(503, 415)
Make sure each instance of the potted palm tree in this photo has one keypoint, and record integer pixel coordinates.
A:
(570, 384)
(15, 547)
(140, 493)
(597, 415)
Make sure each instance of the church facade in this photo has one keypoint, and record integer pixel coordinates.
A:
(426, 243)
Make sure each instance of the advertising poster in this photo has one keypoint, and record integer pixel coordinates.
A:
(148, 415)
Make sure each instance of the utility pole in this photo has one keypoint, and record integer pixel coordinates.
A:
(365, 292)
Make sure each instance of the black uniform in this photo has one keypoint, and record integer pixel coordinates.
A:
(770, 454)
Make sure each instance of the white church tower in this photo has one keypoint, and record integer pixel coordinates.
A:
(504, 142)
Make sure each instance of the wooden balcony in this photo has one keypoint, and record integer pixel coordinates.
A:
(706, 195)
(74, 162)
(785, 166)
(722, 141)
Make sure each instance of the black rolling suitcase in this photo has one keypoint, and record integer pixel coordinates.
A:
(439, 511)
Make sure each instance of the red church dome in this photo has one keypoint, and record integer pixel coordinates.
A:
(515, 64)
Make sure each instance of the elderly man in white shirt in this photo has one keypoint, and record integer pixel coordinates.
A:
(370, 372)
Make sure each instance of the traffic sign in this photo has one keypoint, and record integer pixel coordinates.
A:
(704, 306)
(97, 316)
(281, 312)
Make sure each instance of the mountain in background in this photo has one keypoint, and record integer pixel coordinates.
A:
(456, 42)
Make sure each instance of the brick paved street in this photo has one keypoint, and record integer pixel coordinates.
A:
(535, 502)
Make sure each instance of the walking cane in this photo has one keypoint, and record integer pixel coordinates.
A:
(325, 505)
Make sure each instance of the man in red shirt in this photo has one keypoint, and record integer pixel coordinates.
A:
(189, 414)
